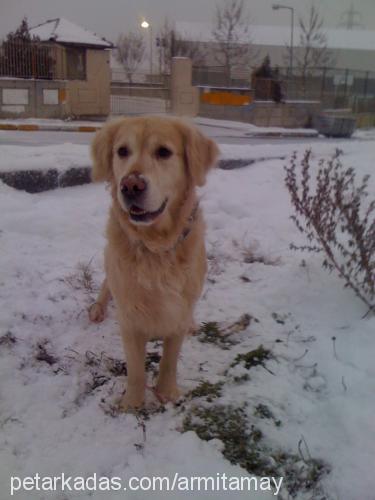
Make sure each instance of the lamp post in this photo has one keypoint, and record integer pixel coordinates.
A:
(146, 26)
(278, 6)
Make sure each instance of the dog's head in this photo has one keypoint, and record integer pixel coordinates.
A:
(151, 162)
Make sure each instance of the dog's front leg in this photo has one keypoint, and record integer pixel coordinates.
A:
(98, 309)
(166, 385)
(135, 351)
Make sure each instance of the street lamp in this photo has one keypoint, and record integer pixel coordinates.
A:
(147, 25)
(278, 6)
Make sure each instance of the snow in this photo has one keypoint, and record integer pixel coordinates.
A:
(67, 155)
(61, 157)
(280, 35)
(64, 31)
(321, 389)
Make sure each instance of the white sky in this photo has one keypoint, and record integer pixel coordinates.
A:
(110, 17)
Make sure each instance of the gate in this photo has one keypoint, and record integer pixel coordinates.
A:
(140, 98)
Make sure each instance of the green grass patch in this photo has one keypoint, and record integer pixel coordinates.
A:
(253, 358)
(245, 445)
(207, 390)
(211, 333)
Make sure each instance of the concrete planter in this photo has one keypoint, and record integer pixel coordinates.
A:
(36, 181)
(334, 126)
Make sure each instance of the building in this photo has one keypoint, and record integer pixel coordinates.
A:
(351, 49)
(68, 75)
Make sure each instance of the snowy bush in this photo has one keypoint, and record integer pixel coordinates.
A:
(331, 209)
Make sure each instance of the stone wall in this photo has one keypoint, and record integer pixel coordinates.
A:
(91, 97)
(21, 98)
(293, 114)
(184, 97)
(31, 98)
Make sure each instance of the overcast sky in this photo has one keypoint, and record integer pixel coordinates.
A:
(110, 17)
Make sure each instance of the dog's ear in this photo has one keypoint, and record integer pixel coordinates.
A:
(101, 152)
(200, 153)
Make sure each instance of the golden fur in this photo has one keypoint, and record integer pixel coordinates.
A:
(155, 271)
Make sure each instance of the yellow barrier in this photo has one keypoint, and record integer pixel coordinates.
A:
(62, 96)
(225, 98)
(87, 128)
(8, 126)
(28, 127)
(366, 120)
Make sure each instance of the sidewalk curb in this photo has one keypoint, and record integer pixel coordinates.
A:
(37, 181)
(280, 135)
(248, 133)
(234, 164)
(31, 127)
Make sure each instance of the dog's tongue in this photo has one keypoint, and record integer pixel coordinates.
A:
(134, 208)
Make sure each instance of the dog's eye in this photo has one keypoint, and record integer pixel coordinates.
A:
(123, 152)
(163, 152)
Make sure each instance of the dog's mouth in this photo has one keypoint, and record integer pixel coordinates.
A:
(137, 214)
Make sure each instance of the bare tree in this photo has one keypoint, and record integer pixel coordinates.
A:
(313, 51)
(130, 52)
(232, 35)
(172, 44)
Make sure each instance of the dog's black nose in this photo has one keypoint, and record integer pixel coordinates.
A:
(133, 185)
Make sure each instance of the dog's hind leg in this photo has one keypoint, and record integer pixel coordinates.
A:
(98, 309)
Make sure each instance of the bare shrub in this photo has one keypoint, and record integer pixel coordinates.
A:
(331, 209)
(82, 278)
(251, 253)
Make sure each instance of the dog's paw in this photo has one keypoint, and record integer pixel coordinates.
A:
(130, 404)
(193, 330)
(96, 312)
(167, 393)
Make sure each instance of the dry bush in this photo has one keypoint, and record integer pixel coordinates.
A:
(252, 255)
(82, 278)
(332, 210)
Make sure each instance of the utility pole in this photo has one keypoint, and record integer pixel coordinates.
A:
(351, 19)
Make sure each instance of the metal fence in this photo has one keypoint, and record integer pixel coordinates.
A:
(334, 88)
(28, 60)
(145, 94)
(137, 105)
(119, 75)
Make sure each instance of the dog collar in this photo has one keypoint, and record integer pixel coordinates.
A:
(187, 229)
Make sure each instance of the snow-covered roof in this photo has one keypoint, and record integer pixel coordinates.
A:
(63, 31)
(280, 36)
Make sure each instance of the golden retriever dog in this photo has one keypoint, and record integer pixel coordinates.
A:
(155, 260)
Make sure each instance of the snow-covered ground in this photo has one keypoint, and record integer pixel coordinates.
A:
(59, 156)
(313, 398)
(67, 155)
